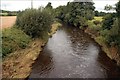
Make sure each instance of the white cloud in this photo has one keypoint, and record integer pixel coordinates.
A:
(100, 4)
(15, 5)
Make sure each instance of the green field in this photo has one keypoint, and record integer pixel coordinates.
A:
(98, 18)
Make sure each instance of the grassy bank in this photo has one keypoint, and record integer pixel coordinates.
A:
(95, 30)
(13, 39)
(18, 64)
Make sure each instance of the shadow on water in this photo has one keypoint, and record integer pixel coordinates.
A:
(44, 63)
(71, 53)
(112, 71)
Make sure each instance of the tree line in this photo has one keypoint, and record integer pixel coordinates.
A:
(111, 26)
(36, 23)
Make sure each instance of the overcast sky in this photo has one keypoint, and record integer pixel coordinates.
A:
(15, 5)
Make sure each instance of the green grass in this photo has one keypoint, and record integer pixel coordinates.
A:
(3, 14)
(13, 39)
(92, 25)
(8, 14)
(98, 18)
(101, 40)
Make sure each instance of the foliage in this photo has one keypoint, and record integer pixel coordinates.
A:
(108, 7)
(111, 26)
(100, 13)
(114, 35)
(118, 13)
(96, 22)
(49, 5)
(93, 26)
(108, 21)
(8, 13)
(115, 28)
(50, 10)
(118, 8)
(98, 18)
(105, 33)
(35, 23)
(101, 40)
(13, 39)
(76, 13)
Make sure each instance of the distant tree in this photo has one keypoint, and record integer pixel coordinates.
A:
(49, 5)
(108, 7)
(76, 13)
(96, 13)
(112, 23)
(50, 9)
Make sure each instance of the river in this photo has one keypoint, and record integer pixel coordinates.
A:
(71, 53)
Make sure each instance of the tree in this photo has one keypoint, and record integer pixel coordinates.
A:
(118, 13)
(49, 5)
(34, 23)
(76, 13)
(96, 13)
(108, 21)
(108, 7)
(112, 23)
(100, 13)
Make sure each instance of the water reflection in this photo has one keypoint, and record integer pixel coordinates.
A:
(44, 63)
(112, 71)
(70, 53)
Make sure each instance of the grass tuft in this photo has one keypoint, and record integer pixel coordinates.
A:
(13, 39)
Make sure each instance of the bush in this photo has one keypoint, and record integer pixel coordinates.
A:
(13, 39)
(94, 27)
(34, 22)
(108, 21)
(114, 36)
(96, 22)
(80, 22)
(101, 40)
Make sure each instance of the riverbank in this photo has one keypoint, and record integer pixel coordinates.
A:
(19, 63)
(111, 51)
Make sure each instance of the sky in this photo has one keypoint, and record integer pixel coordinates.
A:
(15, 5)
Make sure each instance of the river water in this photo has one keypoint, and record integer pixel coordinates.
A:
(70, 53)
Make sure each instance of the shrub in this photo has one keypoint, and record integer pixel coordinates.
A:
(94, 27)
(101, 40)
(114, 36)
(108, 21)
(115, 28)
(13, 39)
(80, 22)
(96, 22)
(34, 22)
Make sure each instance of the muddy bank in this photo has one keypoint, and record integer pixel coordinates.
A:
(111, 51)
(19, 63)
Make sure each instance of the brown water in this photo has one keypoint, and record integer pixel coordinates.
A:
(71, 53)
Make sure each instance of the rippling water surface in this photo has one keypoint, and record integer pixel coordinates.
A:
(71, 53)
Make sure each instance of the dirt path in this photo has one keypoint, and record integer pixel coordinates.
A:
(7, 21)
